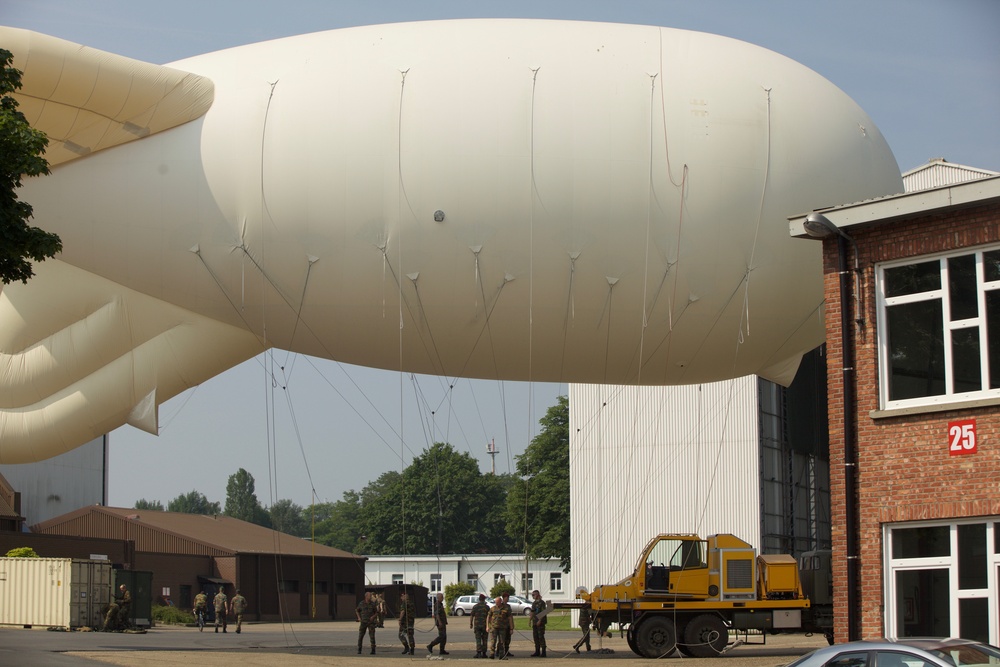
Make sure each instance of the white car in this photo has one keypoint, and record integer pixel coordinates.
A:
(464, 603)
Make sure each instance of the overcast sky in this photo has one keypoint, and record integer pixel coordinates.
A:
(927, 72)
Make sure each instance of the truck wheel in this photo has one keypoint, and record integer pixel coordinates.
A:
(706, 636)
(656, 637)
(630, 638)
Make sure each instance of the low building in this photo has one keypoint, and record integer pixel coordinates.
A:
(913, 347)
(283, 577)
(482, 571)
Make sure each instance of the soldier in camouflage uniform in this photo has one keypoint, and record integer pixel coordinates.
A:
(407, 617)
(237, 606)
(501, 624)
(441, 621)
(538, 621)
(366, 614)
(508, 631)
(477, 621)
(584, 623)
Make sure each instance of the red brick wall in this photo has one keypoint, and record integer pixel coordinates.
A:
(904, 469)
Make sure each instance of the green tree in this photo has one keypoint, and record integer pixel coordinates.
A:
(538, 506)
(338, 524)
(21, 149)
(502, 586)
(453, 591)
(194, 502)
(288, 518)
(143, 504)
(22, 552)
(441, 503)
(241, 499)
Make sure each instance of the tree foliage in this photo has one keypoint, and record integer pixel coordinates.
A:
(22, 552)
(456, 590)
(289, 518)
(500, 587)
(194, 502)
(441, 503)
(21, 149)
(143, 504)
(241, 499)
(338, 524)
(538, 505)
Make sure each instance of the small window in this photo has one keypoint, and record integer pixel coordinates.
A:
(436, 583)
(497, 578)
(528, 582)
(288, 586)
(322, 588)
(926, 542)
(555, 581)
(344, 588)
(397, 579)
(472, 580)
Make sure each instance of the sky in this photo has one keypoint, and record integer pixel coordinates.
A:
(927, 72)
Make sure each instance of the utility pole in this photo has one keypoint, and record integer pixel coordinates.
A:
(491, 449)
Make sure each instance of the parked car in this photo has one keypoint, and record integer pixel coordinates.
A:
(463, 604)
(903, 652)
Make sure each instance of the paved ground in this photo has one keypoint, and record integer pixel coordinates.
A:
(334, 643)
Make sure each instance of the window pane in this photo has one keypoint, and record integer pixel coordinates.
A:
(962, 287)
(896, 659)
(993, 336)
(996, 538)
(921, 542)
(916, 350)
(972, 556)
(853, 659)
(923, 603)
(913, 278)
(965, 362)
(973, 619)
(991, 265)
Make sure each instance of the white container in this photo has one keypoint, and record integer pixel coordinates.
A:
(53, 592)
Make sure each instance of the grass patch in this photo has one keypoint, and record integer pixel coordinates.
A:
(559, 619)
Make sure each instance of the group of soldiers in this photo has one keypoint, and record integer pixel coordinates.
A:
(223, 607)
(493, 625)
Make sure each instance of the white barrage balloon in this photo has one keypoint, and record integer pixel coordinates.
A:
(516, 199)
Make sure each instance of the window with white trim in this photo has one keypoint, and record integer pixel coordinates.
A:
(397, 579)
(939, 328)
(472, 580)
(436, 583)
(555, 581)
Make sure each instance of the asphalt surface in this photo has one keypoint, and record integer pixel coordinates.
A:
(332, 643)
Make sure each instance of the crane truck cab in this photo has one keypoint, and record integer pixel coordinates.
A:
(687, 593)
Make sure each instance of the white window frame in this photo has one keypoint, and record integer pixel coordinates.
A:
(949, 562)
(397, 579)
(436, 583)
(472, 579)
(942, 295)
(555, 581)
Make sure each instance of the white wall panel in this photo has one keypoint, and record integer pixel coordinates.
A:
(650, 460)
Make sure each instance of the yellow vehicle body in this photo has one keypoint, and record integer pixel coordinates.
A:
(687, 593)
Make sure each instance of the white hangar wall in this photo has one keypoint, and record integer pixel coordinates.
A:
(650, 460)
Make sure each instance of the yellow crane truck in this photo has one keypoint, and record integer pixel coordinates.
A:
(687, 593)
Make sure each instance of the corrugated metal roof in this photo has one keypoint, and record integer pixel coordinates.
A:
(174, 532)
(940, 172)
(7, 499)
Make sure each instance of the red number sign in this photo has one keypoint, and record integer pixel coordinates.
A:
(962, 437)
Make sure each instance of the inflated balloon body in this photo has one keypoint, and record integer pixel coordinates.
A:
(515, 199)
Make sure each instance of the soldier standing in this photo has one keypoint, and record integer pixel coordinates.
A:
(441, 622)
(584, 624)
(220, 602)
(538, 621)
(237, 606)
(477, 621)
(508, 627)
(366, 613)
(407, 617)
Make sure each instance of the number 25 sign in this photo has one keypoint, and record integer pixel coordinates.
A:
(962, 437)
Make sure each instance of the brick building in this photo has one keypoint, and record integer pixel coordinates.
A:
(914, 387)
(282, 577)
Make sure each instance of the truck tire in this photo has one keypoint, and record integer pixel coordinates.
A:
(656, 637)
(706, 636)
(630, 638)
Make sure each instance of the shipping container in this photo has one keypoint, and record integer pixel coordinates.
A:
(54, 592)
